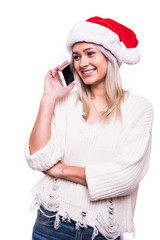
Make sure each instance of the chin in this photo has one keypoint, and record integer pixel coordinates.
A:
(92, 82)
(89, 81)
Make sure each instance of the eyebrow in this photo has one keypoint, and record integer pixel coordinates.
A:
(85, 50)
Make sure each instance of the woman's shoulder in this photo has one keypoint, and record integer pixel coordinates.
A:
(134, 107)
(136, 102)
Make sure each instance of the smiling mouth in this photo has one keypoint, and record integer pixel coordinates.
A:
(88, 71)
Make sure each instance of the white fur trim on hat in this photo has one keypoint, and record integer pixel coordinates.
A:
(95, 33)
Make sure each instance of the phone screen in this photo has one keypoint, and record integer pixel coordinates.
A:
(67, 74)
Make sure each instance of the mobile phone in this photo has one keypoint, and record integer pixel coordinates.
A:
(67, 74)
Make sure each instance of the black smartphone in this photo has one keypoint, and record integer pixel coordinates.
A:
(67, 74)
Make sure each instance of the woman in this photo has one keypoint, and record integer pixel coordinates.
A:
(93, 144)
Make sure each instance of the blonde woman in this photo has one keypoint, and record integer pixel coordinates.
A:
(93, 144)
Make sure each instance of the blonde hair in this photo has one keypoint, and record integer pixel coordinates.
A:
(113, 87)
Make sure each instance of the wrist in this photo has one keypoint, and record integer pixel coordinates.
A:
(48, 99)
(73, 174)
(72, 171)
(48, 102)
(63, 172)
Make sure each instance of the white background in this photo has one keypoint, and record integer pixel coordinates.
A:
(33, 38)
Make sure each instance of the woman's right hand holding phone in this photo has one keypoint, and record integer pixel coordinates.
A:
(53, 88)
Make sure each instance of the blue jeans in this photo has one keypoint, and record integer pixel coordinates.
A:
(44, 229)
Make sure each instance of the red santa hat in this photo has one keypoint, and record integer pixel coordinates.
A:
(109, 34)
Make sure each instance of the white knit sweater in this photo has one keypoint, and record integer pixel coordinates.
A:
(115, 156)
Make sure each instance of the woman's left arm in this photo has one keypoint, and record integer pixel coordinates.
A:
(70, 173)
(122, 175)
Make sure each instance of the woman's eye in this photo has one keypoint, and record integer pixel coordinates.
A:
(91, 53)
(75, 57)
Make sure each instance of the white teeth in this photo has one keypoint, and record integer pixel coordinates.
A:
(90, 71)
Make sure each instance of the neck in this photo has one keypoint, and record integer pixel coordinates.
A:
(98, 91)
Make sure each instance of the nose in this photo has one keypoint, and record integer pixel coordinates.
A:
(84, 61)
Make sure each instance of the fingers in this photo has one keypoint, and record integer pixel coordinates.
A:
(58, 68)
(70, 86)
(63, 64)
(54, 72)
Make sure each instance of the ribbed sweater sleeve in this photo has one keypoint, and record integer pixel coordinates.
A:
(47, 156)
(122, 174)
(53, 151)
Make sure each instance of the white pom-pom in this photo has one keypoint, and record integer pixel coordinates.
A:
(131, 55)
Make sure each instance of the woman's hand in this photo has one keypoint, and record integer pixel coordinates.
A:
(53, 87)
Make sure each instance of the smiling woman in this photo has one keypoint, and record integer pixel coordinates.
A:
(93, 144)
(107, 85)
(90, 64)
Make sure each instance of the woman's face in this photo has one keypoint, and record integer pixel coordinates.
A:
(90, 63)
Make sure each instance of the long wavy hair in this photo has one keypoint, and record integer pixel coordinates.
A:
(113, 87)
